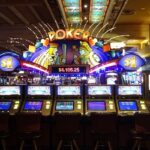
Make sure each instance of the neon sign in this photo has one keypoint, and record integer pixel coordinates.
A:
(68, 34)
(8, 63)
(131, 62)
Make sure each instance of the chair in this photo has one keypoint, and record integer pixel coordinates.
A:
(67, 127)
(28, 127)
(4, 128)
(141, 131)
(103, 128)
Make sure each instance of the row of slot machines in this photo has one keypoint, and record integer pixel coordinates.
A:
(120, 99)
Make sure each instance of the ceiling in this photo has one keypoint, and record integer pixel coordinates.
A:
(23, 22)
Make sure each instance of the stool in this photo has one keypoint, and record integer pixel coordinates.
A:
(141, 131)
(28, 128)
(67, 127)
(4, 129)
(103, 127)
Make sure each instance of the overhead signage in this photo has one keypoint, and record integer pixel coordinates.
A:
(131, 62)
(68, 34)
(8, 63)
(69, 69)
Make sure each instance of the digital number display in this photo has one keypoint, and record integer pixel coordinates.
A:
(68, 69)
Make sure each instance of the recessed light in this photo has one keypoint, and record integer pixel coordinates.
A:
(143, 8)
(85, 18)
(85, 6)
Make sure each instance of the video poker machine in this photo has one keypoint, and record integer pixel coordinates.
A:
(10, 99)
(68, 99)
(38, 99)
(99, 98)
(130, 100)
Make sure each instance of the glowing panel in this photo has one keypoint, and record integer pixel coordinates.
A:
(72, 9)
(69, 90)
(98, 10)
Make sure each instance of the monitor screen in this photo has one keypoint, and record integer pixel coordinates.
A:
(69, 90)
(39, 90)
(10, 90)
(96, 105)
(128, 105)
(99, 90)
(64, 106)
(4, 106)
(129, 90)
(35, 106)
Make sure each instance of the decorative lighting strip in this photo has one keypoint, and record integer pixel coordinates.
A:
(103, 66)
(73, 10)
(98, 10)
(34, 66)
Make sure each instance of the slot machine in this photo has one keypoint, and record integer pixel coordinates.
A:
(10, 99)
(99, 98)
(38, 99)
(130, 100)
(68, 98)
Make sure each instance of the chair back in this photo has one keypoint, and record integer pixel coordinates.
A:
(67, 123)
(4, 122)
(103, 123)
(28, 122)
(142, 122)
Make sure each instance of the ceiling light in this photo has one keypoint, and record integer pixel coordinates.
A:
(85, 18)
(85, 6)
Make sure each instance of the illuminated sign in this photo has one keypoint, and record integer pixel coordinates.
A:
(69, 69)
(8, 63)
(68, 34)
(131, 62)
(117, 45)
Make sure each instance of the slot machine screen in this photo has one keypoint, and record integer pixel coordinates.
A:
(130, 90)
(64, 106)
(128, 105)
(39, 90)
(69, 90)
(99, 90)
(96, 106)
(4, 106)
(33, 106)
(10, 90)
